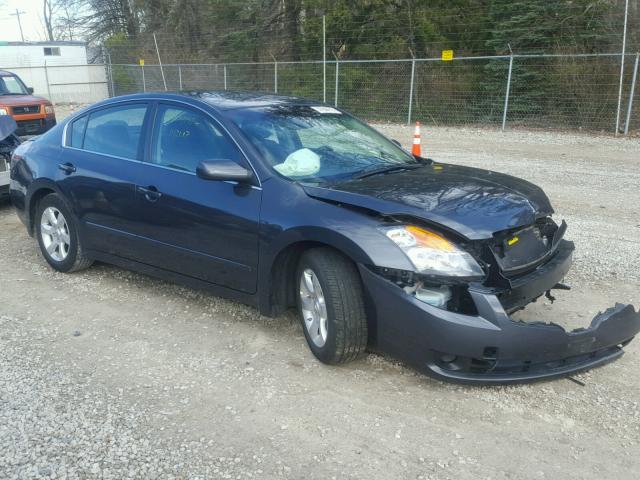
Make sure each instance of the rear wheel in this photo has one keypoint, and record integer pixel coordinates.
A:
(331, 306)
(58, 236)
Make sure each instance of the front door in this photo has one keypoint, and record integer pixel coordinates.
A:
(201, 228)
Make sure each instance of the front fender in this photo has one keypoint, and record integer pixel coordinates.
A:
(290, 217)
(362, 246)
(368, 248)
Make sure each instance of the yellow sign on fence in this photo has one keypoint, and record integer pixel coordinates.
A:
(447, 55)
(142, 62)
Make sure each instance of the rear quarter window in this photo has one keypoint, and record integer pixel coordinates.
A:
(77, 132)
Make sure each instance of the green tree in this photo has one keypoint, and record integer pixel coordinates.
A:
(536, 26)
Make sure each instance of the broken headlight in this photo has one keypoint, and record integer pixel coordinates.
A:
(432, 254)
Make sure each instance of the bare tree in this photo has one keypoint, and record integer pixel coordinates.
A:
(69, 25)
(95, 19)
(48, 16)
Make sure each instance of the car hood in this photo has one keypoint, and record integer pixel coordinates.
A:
(473, 202)
(15, 100)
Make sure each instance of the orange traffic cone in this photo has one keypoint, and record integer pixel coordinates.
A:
(416, 150)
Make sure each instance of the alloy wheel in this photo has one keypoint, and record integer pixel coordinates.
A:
(313, 306)
(54, 231)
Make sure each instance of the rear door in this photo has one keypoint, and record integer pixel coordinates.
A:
(201, 228)
(98, 172)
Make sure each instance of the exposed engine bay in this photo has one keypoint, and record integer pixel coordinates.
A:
(9, 141)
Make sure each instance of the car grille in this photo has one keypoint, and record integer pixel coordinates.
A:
(26, 109)
(29, 126)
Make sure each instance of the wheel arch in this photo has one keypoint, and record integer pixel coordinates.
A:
(276, 283)
(38, 191)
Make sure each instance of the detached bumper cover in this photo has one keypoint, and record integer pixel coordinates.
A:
(491, 347)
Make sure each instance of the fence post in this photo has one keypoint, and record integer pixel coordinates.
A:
(413, 75)
(107, 64)
(144, 83)
(164, 81)
(180, 76)
(622, 58)
(275, 77)
(631, 94)
(324, 59)
(46, 77)
(224, 73)
(335, 96)
(506, 96)
(113, 85)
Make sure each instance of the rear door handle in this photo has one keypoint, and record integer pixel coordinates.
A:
(67, 168)
(151, 193)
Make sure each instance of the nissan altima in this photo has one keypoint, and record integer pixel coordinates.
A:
(280, 202)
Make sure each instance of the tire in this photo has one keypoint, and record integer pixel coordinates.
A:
(54, 222)
(344, 337)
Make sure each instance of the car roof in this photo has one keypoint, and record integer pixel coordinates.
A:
(5, 73)
(225, 100)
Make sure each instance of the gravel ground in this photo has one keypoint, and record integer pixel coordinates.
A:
(110, 374)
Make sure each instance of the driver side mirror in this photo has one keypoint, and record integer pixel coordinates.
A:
(30, 90)
(223, 170)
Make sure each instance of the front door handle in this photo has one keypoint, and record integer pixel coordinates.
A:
(151, 193)
(67, 168)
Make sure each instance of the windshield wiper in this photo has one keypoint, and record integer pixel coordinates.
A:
(386, 169)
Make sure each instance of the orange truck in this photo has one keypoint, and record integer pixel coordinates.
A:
(34, 115)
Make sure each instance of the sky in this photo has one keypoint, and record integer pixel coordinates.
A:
(32, 24)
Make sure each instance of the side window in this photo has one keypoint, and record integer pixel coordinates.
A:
(183, 138)
(77, 132)
(115, 131)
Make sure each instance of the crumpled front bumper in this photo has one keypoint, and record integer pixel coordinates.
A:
(491, 347)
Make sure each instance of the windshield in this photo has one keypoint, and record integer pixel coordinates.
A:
(318, 144)
(11, 85)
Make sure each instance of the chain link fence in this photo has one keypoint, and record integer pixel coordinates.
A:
(572, 92)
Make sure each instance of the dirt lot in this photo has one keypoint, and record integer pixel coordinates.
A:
(109, 374)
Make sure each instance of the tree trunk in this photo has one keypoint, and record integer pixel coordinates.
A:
(292, 26)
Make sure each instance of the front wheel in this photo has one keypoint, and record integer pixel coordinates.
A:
(331, 306)
(58, 236)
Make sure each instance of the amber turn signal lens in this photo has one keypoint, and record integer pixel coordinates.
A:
(425, 238)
